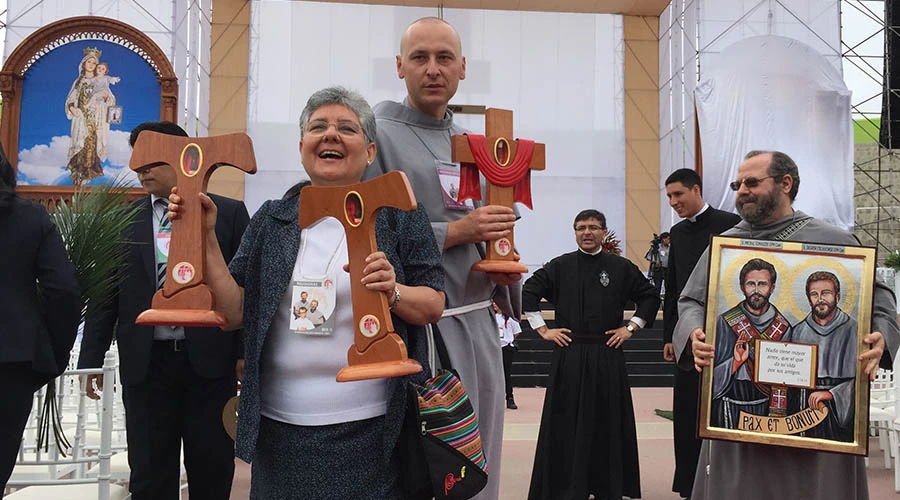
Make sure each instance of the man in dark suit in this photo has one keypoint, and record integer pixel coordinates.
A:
(40, 303)
(688, 239)
(175, 380)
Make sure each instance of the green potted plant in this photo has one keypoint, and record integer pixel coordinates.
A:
(893, 260)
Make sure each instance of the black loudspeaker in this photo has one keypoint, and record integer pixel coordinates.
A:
(889, 136)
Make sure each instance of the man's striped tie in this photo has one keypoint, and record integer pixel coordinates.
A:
(165, 226)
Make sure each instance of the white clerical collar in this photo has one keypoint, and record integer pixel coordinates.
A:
(694, 218)
(590, 253)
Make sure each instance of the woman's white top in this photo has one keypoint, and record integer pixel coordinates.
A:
(297, 371)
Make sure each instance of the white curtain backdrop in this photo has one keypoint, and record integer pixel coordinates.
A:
(693, 34)
(776, 93)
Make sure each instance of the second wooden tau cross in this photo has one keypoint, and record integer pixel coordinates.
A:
(184, 299)
(377, 351)
(507, 166)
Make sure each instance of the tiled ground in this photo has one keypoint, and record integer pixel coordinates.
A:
(655, 447)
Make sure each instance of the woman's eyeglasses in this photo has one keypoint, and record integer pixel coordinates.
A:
(318, 128)
(750, 182)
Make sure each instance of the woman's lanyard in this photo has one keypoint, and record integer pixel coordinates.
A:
(303, 243)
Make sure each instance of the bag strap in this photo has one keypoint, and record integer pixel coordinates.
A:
(437, 345)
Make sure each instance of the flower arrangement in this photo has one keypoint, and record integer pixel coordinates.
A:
(611, 243)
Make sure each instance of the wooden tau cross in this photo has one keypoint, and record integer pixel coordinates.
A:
(377, 351)
(184, 299)
(507, 166)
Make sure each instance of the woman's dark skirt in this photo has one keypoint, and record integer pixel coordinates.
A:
(332, 462)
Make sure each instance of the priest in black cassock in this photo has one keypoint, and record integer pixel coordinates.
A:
(587, 442)
(688, 239)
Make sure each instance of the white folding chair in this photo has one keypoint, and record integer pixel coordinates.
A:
(894, 433)
(30, 451)
(120, 471)
(883, 410)
(92, 423)
(69, 482)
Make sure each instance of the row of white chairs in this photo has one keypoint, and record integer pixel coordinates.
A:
(84, 424)
(884, 417)
(83, 469)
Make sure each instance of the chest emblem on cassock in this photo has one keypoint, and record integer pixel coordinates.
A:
(604, 278)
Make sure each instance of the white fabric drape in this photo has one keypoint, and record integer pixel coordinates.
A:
(776, 93)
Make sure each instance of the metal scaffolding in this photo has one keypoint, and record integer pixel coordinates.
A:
(865, 57)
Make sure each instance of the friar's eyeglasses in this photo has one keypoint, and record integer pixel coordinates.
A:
(750, 182)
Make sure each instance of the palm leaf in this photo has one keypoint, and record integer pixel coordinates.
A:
(92, 226)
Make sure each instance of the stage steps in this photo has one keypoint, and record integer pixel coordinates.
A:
(643, 355)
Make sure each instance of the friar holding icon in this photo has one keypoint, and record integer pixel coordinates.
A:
(766, 186)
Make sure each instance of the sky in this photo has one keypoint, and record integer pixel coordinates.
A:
(864, 53)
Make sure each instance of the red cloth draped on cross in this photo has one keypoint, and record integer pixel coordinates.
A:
(516, 174)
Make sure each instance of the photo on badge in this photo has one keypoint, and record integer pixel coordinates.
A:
(448, 174)
(312, 307)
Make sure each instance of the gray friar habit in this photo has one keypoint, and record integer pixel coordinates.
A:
(759, 472)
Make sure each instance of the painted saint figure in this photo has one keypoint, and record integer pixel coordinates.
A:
(354, 209)
(101, 101)
(190, 160)
(835, 332)
(83, 160)
(755, 317)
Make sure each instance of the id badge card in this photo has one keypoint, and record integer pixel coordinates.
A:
(313, 302)
(448, 173)
(162, 247)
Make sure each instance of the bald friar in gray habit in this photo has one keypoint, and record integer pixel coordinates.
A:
(766, 187)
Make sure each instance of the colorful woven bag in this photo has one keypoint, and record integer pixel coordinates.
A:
(450, 439)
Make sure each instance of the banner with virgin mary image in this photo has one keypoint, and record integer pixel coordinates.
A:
(79, 104)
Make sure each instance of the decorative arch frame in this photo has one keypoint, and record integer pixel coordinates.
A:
(55, 35)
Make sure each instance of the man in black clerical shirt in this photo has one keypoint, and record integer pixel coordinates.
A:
(588, 417)
(688, 239)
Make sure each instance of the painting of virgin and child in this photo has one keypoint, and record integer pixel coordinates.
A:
(83, 140)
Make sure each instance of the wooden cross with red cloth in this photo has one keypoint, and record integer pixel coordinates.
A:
(507, 166)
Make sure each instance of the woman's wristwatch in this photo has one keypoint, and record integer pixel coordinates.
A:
(396, 301)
